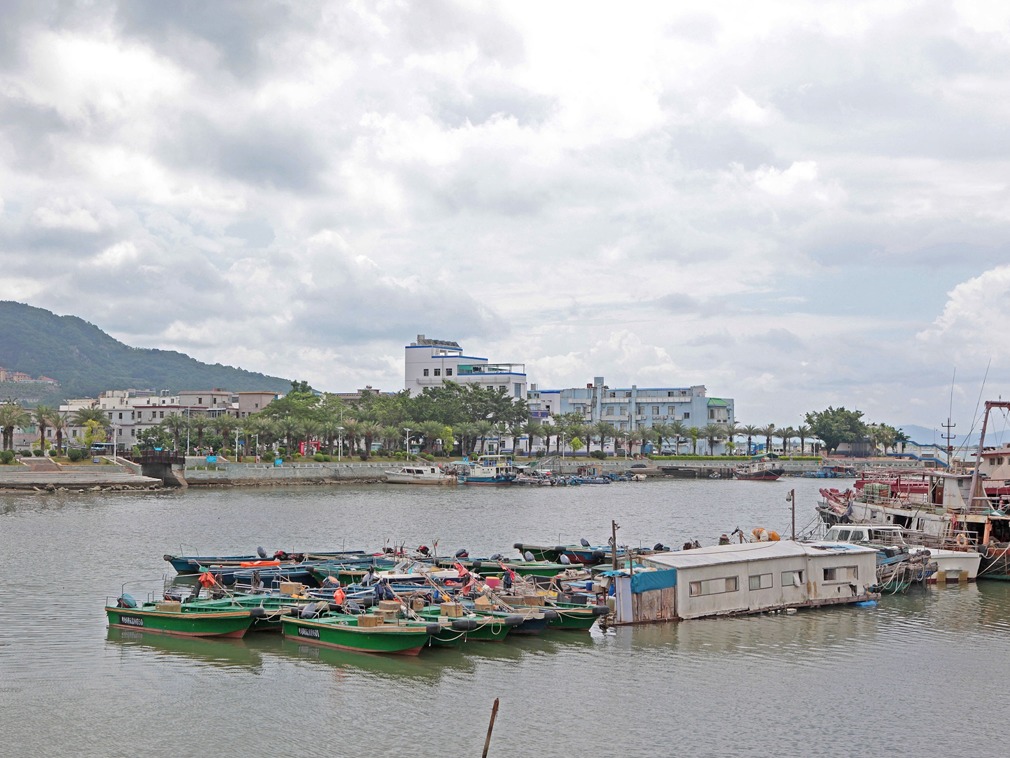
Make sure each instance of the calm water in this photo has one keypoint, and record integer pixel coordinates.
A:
(919, 674)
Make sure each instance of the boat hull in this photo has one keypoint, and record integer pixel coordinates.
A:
(343, 633)
(231, 624)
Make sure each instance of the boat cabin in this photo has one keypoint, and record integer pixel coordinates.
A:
(880, 534)
(725, 580)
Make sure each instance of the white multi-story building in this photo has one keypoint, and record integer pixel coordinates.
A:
(430, 363)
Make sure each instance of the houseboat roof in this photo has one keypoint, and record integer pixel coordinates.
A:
(750, 551)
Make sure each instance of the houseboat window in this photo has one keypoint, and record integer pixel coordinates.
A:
(761, 581)
(714, 586)
(841, 574)
(792, 578)
(842, 535)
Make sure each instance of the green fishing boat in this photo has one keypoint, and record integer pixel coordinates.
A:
(273, 607)
(470, 627)
(574, 617)
(173, 617)
(363, 633)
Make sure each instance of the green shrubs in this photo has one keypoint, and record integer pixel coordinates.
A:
(6, 456)
(76, 454)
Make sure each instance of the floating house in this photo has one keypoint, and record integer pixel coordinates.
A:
(726, 580)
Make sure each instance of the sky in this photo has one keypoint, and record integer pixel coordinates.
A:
(799, 205)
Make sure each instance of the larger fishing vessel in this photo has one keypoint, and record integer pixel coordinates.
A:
(960, 510)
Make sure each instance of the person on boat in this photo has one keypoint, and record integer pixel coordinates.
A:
(256, 582)
(724, 539)
(369, 578)
(339, 596)
(687, 545)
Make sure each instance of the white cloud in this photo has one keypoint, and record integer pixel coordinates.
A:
(762, 199)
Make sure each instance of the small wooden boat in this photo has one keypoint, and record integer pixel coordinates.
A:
(195, 564)
(363, 633)
(469, 626)
(174, 617)
(584, 553)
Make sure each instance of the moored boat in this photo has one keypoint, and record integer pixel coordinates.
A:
(488, 469)
(176, 618)
(760, 469)
(364, 633)
(418, 474)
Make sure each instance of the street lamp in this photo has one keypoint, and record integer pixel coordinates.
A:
(189, 418)
(407, 442)
(115, 439)
(340, 441)
(562, 448)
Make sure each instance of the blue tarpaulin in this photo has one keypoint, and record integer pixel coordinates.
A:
(653, 580)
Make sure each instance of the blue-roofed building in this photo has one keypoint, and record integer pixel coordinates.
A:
(431, 362)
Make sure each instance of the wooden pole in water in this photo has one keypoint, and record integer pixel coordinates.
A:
(613, 546)
(792, 499)
(490, 727)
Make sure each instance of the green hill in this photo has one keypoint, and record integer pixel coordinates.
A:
(86, 361)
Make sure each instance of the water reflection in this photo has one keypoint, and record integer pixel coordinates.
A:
(217, 652)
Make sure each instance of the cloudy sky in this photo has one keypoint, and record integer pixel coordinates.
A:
(795, 204)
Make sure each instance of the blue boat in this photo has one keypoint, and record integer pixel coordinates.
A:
(195, 564)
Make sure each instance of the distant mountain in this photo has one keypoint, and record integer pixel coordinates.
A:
(86, 361)
(962, 437)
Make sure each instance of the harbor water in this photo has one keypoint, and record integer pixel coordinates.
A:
(918, 674)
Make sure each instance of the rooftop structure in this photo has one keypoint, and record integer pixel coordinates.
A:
(431, 362)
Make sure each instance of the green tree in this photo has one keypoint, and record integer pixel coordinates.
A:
(768, 432)
(785, 434)
(834, 426)
(712, 433)
(751, 431)
(803, 432)
(12, 416)
(42, 416)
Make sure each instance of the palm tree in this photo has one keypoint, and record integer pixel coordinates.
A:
(679, 432)
(785, 435)
(42, 415)
(694, 432)
(12, 416)
(174, 425)
(713, 433)
(60, 420)
(368, 430)
(225, 425)
(768, 432)
(751, 431)
(803, 431)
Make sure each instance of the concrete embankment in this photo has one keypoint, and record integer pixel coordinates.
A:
(198, 473)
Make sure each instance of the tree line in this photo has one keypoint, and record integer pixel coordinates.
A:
(441, 420)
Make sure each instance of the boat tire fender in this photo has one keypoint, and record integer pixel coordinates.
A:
(257, 613)
(476, 565)
(600, 610)
(559, 548)
(599, 555)
(513, 619)
(550, 614)
(464, 625)
(433, 628)
(518, 546)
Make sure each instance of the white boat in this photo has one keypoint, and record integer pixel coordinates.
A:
(951, 565)
(418, 474)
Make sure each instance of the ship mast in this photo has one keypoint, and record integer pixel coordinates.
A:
(977, 490)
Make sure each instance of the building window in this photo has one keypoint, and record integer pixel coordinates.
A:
(161, 414)
(792, 578)
(687, 415)
(426, 372)
(199, 401)
(714, 586)
(438, 372)
(760, 582)
(448, 372)
(611, 394)
(671, 410)
(120, 416)
(609, 411)
(655, 410)
(841, 574)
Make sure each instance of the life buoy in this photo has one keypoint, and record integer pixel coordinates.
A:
(962, 541)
